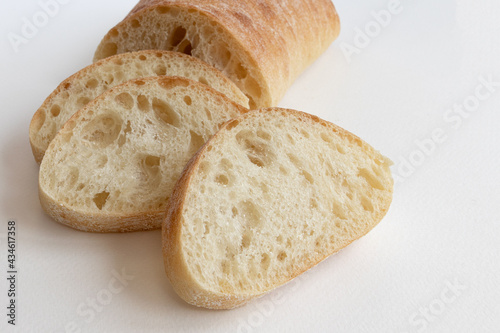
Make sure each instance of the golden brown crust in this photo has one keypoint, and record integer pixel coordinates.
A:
(175, 266)
(278, 38)
(98, 223)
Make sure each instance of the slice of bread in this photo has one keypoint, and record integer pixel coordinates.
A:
(113, 165)
(261, 45)
(272, 194)
(79, 89)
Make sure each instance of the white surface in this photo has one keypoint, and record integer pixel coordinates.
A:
(443, 226)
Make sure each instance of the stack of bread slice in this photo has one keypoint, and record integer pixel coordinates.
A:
(248, 196)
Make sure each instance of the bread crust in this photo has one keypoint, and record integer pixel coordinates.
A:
(98, 223)
(185, 284)
(277, 39)
(43, 111)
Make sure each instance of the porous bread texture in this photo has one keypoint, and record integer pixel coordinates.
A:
(272, 194)
(79, 89)
(113, 165)
(260, 45)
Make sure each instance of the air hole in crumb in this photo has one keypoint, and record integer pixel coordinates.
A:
(304, 133)
(295, 160)
(255, 160)
(283, 171)
(251, 214)
(92, 84)
(282, 256)
(223, 55)
(109, 49)
(240, 71)
(103, 130)
(149, 169)
(82, 101)
(188, 100)
(326, 137)
(252, 87)
(143, 103)
(165, 112)
(162, 10)
(264, 135)
(100, 199)
(340, 149)
(308, 177)
(125, 100)
(246, 239)
(135, 24)
(338, 210)
(123, 137)
(234, 211)
(366, 203)
(142, 57)
(203, 80)
(152, 161)
(371, 179)
(195, 143)
(222, 180)
(265, 261)
(208, 113)
(55, 110)
(258, 151)
(185, 47)
(161, 70)
(177, 36)
(109, 79)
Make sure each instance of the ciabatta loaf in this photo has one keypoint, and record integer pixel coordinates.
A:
(272, 194)
(261, 45)
(113, 165)
(79, 89)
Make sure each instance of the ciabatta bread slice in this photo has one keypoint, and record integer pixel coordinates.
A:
(272, 194)
(113, 165)
(261, 45)
(79, 89)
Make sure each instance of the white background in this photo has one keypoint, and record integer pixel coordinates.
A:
(432, 264)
